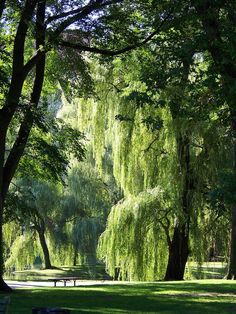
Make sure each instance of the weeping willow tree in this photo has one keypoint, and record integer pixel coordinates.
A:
(136, 155)
(35, 211)
(81, 218)
(24, 251)
(157, 138)
(153, 111)
(133, 244)
(85, 233)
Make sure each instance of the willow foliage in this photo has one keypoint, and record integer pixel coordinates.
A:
(23, 252)
(141, 130)
(133, 243)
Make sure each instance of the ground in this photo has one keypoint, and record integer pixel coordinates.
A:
(186, 297)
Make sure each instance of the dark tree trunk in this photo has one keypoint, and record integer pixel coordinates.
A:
(179, 245)
(3, 286)
(231, 274)
(39, 226)
(44, 246)
(178, 253)
(75, 255)
(19, 73)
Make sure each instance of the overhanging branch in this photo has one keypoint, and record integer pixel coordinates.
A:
(106, 52)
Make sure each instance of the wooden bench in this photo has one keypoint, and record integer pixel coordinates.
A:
(63, 279)
(4, 302)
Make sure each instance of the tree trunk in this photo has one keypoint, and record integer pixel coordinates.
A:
(75, 255)
(44, 246)
(231, 274)
(178, 253)
(8, 110)
(3, 286)
(179, 245)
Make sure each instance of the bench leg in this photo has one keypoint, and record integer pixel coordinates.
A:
(74, 283)
(64, 283)
(55, 283)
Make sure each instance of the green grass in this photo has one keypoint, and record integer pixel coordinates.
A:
(187, 297)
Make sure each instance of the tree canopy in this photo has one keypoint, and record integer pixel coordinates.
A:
(151, 91)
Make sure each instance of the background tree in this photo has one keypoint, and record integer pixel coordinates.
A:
(37, 210)
(218, 31)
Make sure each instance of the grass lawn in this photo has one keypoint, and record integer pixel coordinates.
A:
(187, 297)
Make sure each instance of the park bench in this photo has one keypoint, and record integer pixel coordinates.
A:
(4, 302)
(64, 279)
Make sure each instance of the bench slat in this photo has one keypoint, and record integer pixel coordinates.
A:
(64, 279)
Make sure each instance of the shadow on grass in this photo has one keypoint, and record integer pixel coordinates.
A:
(130, 298)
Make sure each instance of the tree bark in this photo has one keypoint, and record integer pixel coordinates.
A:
(231, 274)
(179, 245)
(178, 253)
(75, 255)
(47, 261)
(3, 286)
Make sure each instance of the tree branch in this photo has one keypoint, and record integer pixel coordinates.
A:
(106, 52)
(19, 43)
(82, 14)
(32, 62)
(8, 110)
(26, 125)
(150, 144)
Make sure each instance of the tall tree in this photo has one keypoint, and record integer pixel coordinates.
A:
(40, 200)
(217, 20)
(161, 137)
(204, 30)
(46, 24)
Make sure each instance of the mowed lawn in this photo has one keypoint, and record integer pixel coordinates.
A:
(187, 297)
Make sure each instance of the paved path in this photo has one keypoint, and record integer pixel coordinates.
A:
(83, 283)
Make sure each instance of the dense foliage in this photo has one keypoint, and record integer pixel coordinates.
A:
(158, 122)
